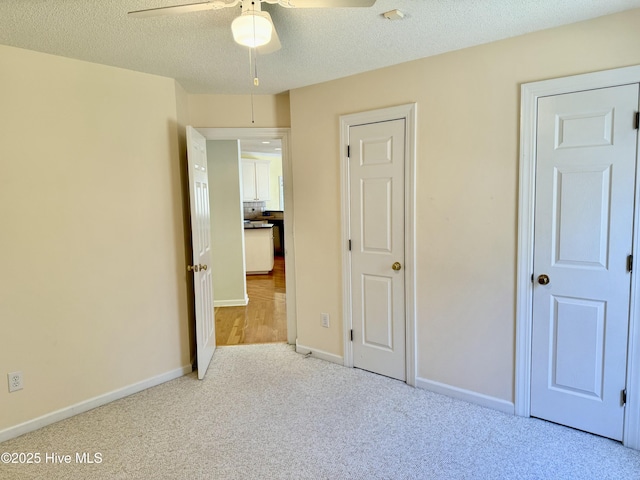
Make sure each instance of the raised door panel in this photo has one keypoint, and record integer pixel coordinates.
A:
(577, 346)
(376, 214)
(377, 319)
(580, 216)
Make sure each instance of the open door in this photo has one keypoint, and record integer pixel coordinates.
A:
(201, 243)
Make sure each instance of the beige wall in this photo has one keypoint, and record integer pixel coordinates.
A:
(93, 283)
(224, 111)
(467, 182)
(227, 235)
(182, 120)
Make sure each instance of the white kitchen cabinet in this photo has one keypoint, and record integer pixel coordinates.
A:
(258, 249)
(255, 180)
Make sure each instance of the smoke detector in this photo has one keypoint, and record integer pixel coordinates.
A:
(393, 15)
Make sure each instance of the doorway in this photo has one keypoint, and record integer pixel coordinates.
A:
(282, 135)
(378, 207)
(577, 306)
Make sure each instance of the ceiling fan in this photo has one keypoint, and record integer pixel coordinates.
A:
(253, 28)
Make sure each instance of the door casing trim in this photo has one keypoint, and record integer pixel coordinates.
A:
(407, 112)
(530, 92)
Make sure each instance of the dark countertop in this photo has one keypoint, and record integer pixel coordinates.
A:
(251, 226)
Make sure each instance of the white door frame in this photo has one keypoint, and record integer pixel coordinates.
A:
(408, 113)
(530, 92)
(282, 134)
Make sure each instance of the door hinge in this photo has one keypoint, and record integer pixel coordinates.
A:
(629, 263)
(352, 335)
(349, 244)
(623, 397)
(348, 151)
(637, 120)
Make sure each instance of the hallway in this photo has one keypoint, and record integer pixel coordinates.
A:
(264, 319)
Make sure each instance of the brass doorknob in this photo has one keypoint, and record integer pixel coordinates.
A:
(193, 268)
(543, 279)
(396, 266)
(203, 267)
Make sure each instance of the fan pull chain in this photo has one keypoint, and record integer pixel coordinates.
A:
(253, 120)
(253, 53)
(256, 80)
(253, 71)
(250, 60)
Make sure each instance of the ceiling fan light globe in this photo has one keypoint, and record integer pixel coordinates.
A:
(251, 30)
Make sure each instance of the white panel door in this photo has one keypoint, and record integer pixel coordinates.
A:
(376, 183)
(585, 171)
(201, 243)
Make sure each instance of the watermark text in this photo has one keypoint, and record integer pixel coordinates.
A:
(51, 458)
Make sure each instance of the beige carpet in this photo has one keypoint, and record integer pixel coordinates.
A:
(265, 412)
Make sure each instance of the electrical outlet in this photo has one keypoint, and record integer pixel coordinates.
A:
(325, 320)
(15, 381)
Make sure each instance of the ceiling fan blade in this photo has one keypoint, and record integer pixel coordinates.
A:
(323, 3)
(186, 8)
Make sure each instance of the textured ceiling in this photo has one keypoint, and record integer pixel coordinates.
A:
(317, 44)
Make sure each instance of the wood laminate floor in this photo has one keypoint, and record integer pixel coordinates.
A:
(264, 319)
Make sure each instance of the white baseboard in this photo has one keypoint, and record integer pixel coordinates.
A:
(329, 357)
(90, 404)
(466, 395)
(240, 302)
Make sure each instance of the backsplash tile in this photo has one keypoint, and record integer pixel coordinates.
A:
(253, 209)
